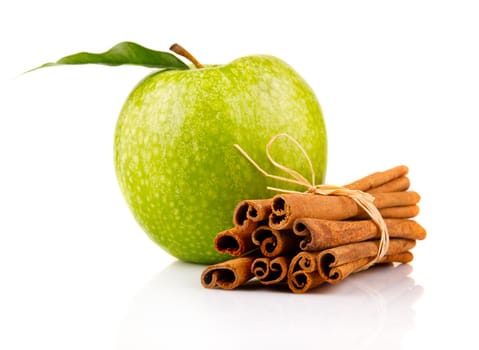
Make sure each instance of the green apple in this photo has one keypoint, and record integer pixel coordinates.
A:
(174, 143)
(174, 154)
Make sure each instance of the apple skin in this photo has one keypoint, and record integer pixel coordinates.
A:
(174, 155)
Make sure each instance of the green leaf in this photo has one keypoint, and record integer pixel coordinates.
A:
(123, 53)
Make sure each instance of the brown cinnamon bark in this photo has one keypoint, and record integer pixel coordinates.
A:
(288, 207)
(303, 273)
(404, 212)
(397, 185)
(247, 216)
(235, 241)
(336, 247)
(240, 216)
(331, 258)
(378, 178)
(259, 209)
(273, 242)
(254, 210)
(271, 271)
(340, 272)
(403, 258)
(396, 199)
(322, 234)
(229, 274)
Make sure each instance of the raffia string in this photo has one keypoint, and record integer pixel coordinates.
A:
(363, 199)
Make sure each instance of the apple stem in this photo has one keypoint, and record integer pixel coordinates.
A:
(180, 50)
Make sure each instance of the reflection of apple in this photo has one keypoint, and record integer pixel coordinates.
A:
(174, 154)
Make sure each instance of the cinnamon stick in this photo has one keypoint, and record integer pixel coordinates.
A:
(259, 209)
(378, 178)
(251, 210)
(274, 242)
(397, 185)
(322, 234)
(403, 258)
(303, 273)
(335, 248)
(396, 199)
(331, 258)
(229, 274)
(235, 241)
(404, 212)
(288, 207)
(247, 216)
(338, 273)
(271, 271)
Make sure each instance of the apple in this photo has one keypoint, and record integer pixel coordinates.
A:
(175, 159)
(174, 154)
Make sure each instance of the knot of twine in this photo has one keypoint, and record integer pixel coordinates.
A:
(363, 199)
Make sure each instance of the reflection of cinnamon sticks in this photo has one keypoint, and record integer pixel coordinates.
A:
(308, 239)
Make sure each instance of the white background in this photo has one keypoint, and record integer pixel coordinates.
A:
(398, 83)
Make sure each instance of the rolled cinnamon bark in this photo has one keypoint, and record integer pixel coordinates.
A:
(235, 241)
(378, 178)
(397, 185)
(396, 199)
(271, 271)
(288, 207)
(229, 274)
(240, 216)
(404, 212)
(403, 258)
(340, 272)
(254, 210)
(322, 234)
(331, 258)
(303, 273)
(259, 209)
(273, 242)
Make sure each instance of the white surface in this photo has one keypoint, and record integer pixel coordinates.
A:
(398, 83)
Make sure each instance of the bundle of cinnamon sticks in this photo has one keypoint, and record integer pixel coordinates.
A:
(306, 239)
